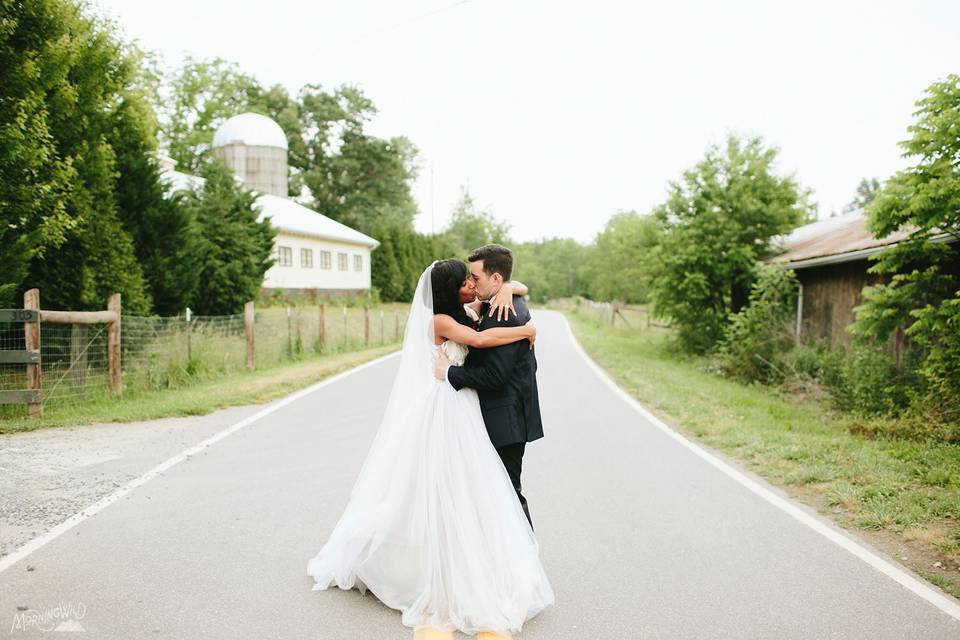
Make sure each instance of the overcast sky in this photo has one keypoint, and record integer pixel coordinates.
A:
(558, 114)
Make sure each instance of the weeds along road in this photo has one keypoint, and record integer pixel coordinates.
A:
(641, 535)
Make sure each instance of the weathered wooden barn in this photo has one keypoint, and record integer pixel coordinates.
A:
(831, 258)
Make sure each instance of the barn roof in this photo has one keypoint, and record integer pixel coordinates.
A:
(842, 238)
(293, 216)
(284, 214)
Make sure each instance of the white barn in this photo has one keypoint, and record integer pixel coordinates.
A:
(314, 254)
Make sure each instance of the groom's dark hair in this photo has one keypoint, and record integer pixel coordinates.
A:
(496, 259)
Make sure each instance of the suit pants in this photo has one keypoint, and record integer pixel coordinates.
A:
(512, 457)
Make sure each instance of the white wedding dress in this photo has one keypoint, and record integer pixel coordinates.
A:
(433, 526)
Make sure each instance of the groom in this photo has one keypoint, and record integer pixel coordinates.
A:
(505, 377)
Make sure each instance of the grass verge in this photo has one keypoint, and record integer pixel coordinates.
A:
(201, 397)
(901, 496)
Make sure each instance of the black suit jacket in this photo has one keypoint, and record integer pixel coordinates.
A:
(505, 378)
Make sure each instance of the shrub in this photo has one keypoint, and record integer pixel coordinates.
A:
(909, 426)
(938, 329)
(865, 380)
(757, 337)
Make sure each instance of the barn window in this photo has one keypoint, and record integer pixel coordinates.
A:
(306, 258)
(325, 262)
(357, 263)
(285, 256)
(342, 261)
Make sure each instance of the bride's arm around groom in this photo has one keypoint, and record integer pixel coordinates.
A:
(491, 369)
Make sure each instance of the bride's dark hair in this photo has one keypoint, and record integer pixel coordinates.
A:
(445, 279)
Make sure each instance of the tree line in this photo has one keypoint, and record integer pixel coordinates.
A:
(701, 260)
(83, 208)
(84, 117)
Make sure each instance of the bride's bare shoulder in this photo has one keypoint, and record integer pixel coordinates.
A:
(440, 323)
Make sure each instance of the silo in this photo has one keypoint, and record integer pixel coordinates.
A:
(255, 148)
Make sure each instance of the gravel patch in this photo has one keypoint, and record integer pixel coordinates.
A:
(47, 476)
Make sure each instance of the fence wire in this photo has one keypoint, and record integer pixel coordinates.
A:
(168, 352)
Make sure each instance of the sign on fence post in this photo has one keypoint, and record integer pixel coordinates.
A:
(31, 300)
(248, 332)
(113, 344)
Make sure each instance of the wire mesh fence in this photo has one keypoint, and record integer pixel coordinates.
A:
(168, 352)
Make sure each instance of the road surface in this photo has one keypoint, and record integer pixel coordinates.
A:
(642, 538)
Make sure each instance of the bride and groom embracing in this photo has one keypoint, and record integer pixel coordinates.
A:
(436, 525)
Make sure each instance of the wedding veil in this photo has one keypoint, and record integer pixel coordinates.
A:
(414, 382)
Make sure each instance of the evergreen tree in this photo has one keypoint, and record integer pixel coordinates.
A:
(63, 76)
(165, 236)
(236, 249)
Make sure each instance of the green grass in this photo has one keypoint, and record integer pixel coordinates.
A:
(198, 398)
(908, 488)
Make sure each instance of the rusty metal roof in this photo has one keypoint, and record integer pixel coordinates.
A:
(838, 239)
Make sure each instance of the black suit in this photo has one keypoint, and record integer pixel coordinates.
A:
(505, 378)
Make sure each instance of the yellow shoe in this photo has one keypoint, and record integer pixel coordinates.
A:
(429, 633)
(490, 635)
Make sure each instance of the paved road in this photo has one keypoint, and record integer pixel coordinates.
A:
(640, 537)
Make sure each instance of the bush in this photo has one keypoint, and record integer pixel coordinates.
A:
(938, 329)
(807, 361)
(866, 381)
(759, 345)
(756, 338)
(909, 426)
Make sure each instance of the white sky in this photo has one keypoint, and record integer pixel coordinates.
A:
(558, 114)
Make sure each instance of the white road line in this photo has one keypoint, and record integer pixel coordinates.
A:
(26, 549)
(937, 599)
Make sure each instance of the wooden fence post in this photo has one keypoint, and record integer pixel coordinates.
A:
(31, 331)
(366, 326)
(187, 314)
(248, 331)
(289, 336)
(299, 341)
(323, 326)
(113, 344)
(799, 320)
(396, 326)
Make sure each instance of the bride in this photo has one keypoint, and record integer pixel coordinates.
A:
(433, 526)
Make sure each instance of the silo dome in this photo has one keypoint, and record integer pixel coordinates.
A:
(251, 129)
(255, 148)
